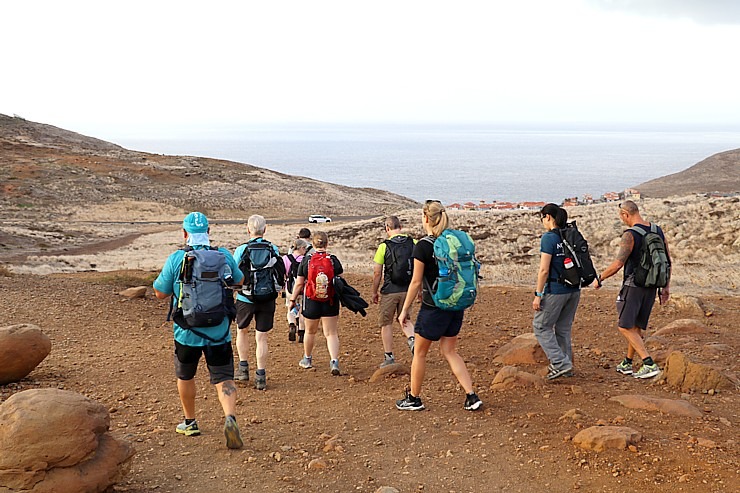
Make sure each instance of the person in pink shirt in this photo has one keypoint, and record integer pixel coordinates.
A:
(292, 260)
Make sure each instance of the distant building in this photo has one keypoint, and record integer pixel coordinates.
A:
(570, 202)
(588, 199)
(455, 206)
(531, 205)
(611, 196)
(504, 206)
(469, 206)
(632, 194)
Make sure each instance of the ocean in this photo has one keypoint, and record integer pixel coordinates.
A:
(458, 163)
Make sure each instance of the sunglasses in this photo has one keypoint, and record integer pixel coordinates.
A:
(430, 201)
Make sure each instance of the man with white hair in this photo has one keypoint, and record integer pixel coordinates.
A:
(257, 258)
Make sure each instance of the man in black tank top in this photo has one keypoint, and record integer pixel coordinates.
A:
(634, 303)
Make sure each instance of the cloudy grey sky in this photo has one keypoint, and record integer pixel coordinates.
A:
(163, 64)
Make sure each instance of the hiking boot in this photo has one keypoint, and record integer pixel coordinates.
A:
(188, 429)
(553, 373)
(291, 332)
(305, 362)
(389, 360)
(231, 431)
(334, 367)
(625, 368)
(260, 382)
(409, 403)
(242, 373)
(300, 335)
(472, 402)
(647, 371)
(410, 342)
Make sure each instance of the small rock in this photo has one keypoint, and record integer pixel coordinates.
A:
(131, 293)
(317, 464)
(600, 438)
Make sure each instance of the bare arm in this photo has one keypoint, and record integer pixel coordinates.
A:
(160, 295)
(625, 249)
(542, 273)
(414, 289)
(300, 281)
(377, 276)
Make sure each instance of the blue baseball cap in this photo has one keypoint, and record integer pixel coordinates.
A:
(195, 222)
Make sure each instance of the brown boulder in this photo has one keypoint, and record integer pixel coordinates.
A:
(682, 327)
(79, 456)
(681, 373)
(24, 347)
(510, 377)
(686, 303)
(522, 350)
(667, 406)
(394, 369)
(600, 438)
(137, 292)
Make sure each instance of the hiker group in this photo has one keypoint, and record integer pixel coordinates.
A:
(440, 270)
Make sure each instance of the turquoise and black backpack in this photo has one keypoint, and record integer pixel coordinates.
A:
(456, 286)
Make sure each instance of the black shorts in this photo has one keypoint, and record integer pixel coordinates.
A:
(314, 310)
(263, 314)
(220, 361)
(634, 305)
(434, 323)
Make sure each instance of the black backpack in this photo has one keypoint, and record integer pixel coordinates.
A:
(264, 271)
(399, 251)
(654, 268)
(292, 273)
(575, 247)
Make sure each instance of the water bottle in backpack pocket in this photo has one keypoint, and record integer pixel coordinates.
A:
(203, 300)
(320, 280)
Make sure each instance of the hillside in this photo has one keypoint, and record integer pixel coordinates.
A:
(42, 166)
(717, 173)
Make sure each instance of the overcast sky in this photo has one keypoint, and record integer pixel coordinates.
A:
(150, 64)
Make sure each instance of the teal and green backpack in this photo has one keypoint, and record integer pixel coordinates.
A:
(456, 286)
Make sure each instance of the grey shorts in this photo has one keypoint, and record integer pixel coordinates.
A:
(634, 305)
(263, 314)
(220, 361)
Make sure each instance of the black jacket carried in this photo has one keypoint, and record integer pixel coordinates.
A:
(349, 297)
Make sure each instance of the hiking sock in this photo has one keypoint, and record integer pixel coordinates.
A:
(244, 363)
(189, 421)
(231, 416)
(260, 372)
(389, 355)
(648, 361)
(628, 360)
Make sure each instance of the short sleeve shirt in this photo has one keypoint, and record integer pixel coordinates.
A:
(237, 258)
(424, 253)
(167, 283)
(552, 244)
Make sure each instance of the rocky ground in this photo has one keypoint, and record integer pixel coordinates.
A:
(310, 431)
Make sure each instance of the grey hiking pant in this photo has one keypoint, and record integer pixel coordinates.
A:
(552, 327)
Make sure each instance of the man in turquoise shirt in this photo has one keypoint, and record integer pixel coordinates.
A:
(189, 346)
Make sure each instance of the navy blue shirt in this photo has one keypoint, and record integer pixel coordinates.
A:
(552, 244)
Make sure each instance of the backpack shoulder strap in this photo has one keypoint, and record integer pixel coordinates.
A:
(637, 230)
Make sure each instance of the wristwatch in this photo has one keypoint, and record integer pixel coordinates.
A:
(538, 294)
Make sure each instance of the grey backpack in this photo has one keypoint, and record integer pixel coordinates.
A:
(205, 299)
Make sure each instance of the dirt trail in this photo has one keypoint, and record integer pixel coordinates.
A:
(120, 353)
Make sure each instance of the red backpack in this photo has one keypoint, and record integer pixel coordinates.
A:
(320, 280)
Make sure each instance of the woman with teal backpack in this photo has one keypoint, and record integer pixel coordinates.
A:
(433, 323)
